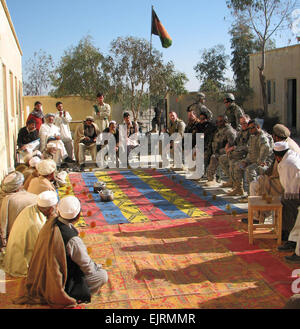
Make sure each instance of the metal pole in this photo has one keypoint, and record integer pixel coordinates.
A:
(150, 71)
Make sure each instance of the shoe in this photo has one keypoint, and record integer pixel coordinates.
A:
(293, 259)
(69, 160)
(236, 191)
(211, 183)
(245, 220)
(227, 184)
(288, 246)
(82, 167)
(243, 200)
(64, 165)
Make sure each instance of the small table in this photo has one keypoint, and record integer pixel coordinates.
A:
(256, 203)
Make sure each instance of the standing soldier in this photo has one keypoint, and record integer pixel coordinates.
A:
(225, 135)
(258, 160)
(198, 107)
(236, 152)
(208, 129)
(233, 111)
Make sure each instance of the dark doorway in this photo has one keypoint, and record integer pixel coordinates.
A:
(292, 103)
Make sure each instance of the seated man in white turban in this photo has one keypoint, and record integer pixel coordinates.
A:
(46, 169)
(31, 172)
(49, 132)
(13, 203)
(10, 184)
(67, 273)
(25, 231)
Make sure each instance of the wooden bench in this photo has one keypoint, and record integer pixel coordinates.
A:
(257, 203)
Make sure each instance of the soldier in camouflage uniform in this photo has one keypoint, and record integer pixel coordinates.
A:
(236, 152)
(176, 125)
(199, 107)
(258, 160)
(233, 111)
(193, 126)
(208, 129)
(224, 135)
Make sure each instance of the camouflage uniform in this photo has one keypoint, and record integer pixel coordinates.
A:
(201, 108)
(260, 150)
(227, 161)
(224, 135)
(234, 113)
(176, 127)
(208, 129)
(193, 128)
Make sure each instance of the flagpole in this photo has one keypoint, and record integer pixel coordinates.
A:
(150, 71)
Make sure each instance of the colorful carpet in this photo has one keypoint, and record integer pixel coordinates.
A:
(142, 196)
(203, 262)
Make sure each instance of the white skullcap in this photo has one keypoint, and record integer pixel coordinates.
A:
(69, 207)
(281, 146)
(113, 122)
(27, 157)
(34, 161)
(47, 199)
(46, 167)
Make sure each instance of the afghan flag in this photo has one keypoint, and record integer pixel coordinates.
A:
(158, 29)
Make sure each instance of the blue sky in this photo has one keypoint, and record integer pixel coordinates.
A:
(55, 25)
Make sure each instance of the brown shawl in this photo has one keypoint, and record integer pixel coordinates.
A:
(47, 272)
(79, 135)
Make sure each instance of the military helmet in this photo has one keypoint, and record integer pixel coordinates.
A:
(230, 97)
(201, 95)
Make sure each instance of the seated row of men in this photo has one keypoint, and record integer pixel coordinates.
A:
(41, 244)
(54, 139)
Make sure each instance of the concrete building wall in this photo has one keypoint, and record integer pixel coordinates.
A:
(282, 64)
(11, 114)
(78, 107)
(179, 104)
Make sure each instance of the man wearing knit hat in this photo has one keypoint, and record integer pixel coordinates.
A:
(25, 231)
(46, 169)
(14, 201)
(68, 274)
(69, 213)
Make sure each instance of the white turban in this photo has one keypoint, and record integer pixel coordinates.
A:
(69, 207)
(46, 167)
(51, 145)
(281, 146)
(47, 199)
(12, 182)
(60, 178)
(34, 161)
(37, 153)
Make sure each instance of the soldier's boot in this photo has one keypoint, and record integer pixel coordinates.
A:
(227, 184)
(211, 183)
(237, 190)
